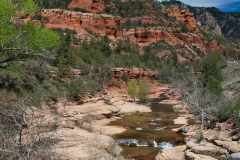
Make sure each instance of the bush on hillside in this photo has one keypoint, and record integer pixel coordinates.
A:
(75, 89)
(211, 76)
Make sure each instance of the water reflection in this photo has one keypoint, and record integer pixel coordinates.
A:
(160, 128)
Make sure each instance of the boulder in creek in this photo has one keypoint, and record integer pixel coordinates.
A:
(188, 155)
(132, 145)
(231, 146)
(185, 129)
(234, 156)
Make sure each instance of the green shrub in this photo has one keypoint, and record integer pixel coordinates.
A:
(93, 87)
(13, 68)
(199, 137)
(80, 10)
(225, 111)
(107, 9)
(105, 74)
(63, 67)
(211, 76)
(236, 111)
(184, 28)
(144, 88)
(125, 77)
(132, 88)
(75, 89)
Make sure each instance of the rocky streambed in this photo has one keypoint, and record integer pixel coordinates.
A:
(85, 131)
(148, 133)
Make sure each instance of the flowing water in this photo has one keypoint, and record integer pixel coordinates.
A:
(148, 133)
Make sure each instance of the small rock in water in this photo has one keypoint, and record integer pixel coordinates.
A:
(133, 145)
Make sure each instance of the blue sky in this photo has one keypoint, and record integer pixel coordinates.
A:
(223, 5)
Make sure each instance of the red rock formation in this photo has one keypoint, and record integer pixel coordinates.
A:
(183, 16)
(89, 5)
(153, 34)
(236, 51)
(133, 73)
(103, 24)
(107, 24)
(97, 23)
(214, 46)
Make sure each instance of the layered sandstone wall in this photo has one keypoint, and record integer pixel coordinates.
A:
(184, 16)
(101, 24)
(134, 73)
(154, 34)
(131, 73)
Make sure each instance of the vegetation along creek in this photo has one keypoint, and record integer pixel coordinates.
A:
(69, 67)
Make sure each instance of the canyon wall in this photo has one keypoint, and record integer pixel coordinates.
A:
(82, 23)
(154, 34)
(103, 24)
(129, 72)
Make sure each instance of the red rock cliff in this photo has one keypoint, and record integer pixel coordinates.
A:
(134, 73)
(184, 16)
(107, 24)
(97, 23)
(153, 34)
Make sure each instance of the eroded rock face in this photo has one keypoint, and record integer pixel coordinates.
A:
(207, 21)
(133, 73)
(217, 22)
(101, 24)
(214, 46)
(183, 16)
(89, 5)
(154, 34)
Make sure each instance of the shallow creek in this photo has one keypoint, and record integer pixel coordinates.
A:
(148, 133)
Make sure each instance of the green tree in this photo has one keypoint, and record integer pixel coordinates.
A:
(19, 40)
(132, 88)
(211, 73)
(144, 88)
